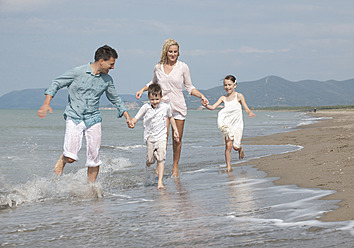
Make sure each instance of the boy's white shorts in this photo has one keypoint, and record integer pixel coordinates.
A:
(156, 151)
(73, 142)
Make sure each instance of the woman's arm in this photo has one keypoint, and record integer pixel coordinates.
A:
(175, 130)
(140, 92)
(197, 93)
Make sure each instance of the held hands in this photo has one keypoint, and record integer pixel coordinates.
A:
(130, 123)
(42, 112)
(204, 101)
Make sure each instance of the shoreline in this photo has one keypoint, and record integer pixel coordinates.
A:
(326, 160)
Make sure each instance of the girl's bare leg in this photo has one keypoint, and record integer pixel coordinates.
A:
(241, 153)
(228, 148)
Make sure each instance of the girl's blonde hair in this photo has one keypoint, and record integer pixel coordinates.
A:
(165, 47)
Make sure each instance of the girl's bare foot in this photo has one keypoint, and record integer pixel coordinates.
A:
(241, 153)
(160, 186)
(59, 166)
(229, 169)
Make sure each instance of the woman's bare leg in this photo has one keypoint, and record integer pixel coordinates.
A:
(177, 147)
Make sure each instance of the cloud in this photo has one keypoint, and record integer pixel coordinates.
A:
(243, 50)
(246, 49)
(10, 6)
(199, 52)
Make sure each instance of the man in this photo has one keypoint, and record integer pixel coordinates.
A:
(85, 84)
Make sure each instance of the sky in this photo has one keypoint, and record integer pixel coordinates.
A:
(295, 40)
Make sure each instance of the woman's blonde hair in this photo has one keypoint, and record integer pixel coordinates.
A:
(165, 47)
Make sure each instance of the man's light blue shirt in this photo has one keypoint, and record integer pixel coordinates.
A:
(84, 92)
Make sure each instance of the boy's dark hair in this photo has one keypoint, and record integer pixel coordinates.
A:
(155, 89)
(105, 52)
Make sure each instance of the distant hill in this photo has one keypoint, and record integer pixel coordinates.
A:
(273, 91)
(270, 91)
(33, 99)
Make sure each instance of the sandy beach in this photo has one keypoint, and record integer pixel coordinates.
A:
(326, 160)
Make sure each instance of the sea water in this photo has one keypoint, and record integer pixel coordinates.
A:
(205, 207)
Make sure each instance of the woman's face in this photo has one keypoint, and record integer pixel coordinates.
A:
(172, 53)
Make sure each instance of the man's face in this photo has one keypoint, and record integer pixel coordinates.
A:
(107, 65)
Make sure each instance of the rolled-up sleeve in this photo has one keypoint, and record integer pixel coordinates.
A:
(115, 99)
(187, 78)
(62, 81)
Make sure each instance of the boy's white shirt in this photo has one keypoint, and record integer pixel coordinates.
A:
(154, 121)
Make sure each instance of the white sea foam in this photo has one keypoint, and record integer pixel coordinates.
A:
(115, 164)
(72, 185)
(124, 148)
(311, 120)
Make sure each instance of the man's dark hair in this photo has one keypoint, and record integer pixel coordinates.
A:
(154, 89)
(105, 53)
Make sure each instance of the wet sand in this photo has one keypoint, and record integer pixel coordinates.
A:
(326, 160)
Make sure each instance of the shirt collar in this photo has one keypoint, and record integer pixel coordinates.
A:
(158, 106)
(89, 70)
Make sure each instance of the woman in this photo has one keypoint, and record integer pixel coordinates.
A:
(172, 75)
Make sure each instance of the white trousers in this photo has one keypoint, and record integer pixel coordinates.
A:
(73, 142)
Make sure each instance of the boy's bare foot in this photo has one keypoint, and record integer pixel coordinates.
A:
(59, 166)
(160, 186)
(241, 153)
(148, 164)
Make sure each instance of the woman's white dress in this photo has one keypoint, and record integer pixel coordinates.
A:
(230, 121)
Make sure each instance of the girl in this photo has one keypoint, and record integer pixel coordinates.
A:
(230, 121)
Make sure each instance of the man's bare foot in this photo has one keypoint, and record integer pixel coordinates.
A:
(59, 166)
(241, 153)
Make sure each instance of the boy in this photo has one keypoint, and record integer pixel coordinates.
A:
(154, 116)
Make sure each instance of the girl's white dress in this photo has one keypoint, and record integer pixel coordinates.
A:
(230, 121)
